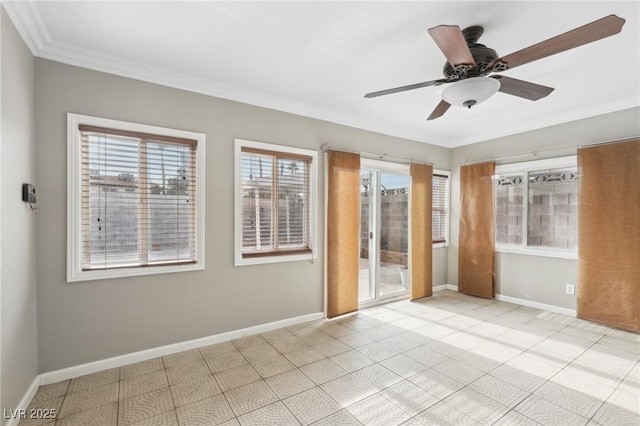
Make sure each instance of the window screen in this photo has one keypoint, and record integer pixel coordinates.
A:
(510, 196)
(553, 209)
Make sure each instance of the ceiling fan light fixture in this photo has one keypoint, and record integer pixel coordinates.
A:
(470, 91)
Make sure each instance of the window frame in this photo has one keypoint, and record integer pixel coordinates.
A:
(525, 168)
(447, 207)
(239, 259)
(75, 273)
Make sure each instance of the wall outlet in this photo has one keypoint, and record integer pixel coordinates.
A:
(571, 289)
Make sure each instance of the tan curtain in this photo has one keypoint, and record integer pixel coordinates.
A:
(420, 252)
(343, 237)
(476, 274)
(609, 235)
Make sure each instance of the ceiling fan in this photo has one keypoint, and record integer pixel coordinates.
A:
(469, 63)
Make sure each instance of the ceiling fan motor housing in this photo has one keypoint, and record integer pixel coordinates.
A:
(482, 55)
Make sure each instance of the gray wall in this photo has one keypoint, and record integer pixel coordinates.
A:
(19, 351)
(539, 279)
(89, 321)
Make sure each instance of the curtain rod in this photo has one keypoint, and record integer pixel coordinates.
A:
(544, 151)
(382, 156)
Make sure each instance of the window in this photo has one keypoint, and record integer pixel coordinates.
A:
(440, 202)
(537, 207)
(135, 203)
(275, 199)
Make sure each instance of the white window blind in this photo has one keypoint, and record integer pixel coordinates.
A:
(138, 199)
(275, 203)
(439, 215)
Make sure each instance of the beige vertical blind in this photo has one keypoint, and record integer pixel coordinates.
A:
(343, 238)
(609, 234)
(138, 199)
(439, 215)
(476, 274)
(421, 252)
(276, 203)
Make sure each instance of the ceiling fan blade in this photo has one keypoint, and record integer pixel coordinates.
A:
(596, 30)
(442, 107)
(523, 89)
(451, 42)
(405, 88)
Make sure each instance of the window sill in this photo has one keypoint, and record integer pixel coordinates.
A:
(260, 260)
(274, 253)
(104, 274)
(558, 254)
(440, 245)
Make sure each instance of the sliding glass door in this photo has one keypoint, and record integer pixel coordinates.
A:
(384, 231)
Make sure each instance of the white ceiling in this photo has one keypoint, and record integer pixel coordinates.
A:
(318, 59)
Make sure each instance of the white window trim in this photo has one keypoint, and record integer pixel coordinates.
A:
(384, 166)
(549, 163)
(447, 203)
(243, 261)
(74, 173)
(524, 168)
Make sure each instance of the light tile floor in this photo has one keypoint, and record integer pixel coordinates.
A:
(447, 360)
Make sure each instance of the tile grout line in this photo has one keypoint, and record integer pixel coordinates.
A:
(173, 400)
(118, 401)
(532, 393)
(571, 362)
(166, 374)
(613, 389)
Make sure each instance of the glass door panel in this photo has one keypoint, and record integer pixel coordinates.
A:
(394, 234)
(384, 234)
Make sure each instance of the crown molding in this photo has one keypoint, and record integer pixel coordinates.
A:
(113, 65)
(32, 29)
(72, 55)
(27, 20)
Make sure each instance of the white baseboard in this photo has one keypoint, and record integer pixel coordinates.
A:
(118, 361)
(445, 287)
(537, 305)
(517, 301)
(25, 401)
